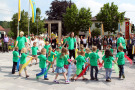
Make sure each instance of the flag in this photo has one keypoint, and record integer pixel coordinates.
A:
(33, 7)
(19, 10)
(89, 31)
(102, 29)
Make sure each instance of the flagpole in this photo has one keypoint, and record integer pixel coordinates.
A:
(18, 17)
(29, 19)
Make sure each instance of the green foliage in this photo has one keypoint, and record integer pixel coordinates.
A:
(77, 20)
(5, 24)
(110, 17)
(97, 25)
(96, 32)
(11, 34)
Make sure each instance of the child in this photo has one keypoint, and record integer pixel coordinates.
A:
(80, 62)
(59, 46)
(107, 60)
(47, 48)
(67, 61)
(60, 65)
(42, 63)
(94, 60)
(121, 61)
(34, 53)
(57, 50)
(109, 47)
(23, 61)
(15, 59)
(50, 57)
(82, 48)
(87, 56)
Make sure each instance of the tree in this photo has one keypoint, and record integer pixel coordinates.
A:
(110, 17)
(23, 24)
(96, 32)
(57, 9)
(77, 20)
(5, 24)
(39, 24)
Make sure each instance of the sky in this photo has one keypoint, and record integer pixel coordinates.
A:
(9, 7)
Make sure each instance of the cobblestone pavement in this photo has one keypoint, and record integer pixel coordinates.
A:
(14, 82)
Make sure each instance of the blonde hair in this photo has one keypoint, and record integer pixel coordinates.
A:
(23, 50)
(42, 50)
(87, 49)
(63, 51)
(82, 53)
(94, 48)
(16, 48)
(21, 33)
(34, 43)
(78, 52)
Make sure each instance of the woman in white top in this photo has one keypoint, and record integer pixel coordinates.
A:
(41, 43)
(84, 42)
(114, 43)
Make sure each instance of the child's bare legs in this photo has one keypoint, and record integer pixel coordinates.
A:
(36, 60)
(56, 75)
(26, 73)
(74, 76)
(65, 76)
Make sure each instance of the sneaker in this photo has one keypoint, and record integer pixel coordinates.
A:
(84, 79)
(96, 79)
(55, 81)
(92, 79)
(27, 76)
(109, 80)
(72, 79)
(46, 79)
(123, 76)
(67, 82)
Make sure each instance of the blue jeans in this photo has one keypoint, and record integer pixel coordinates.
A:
(121, 72)
(108, 73)
(96, 72)
(43, 70)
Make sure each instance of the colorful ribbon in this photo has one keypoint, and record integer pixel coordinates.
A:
(69, 71)
(82, 73)
(100, 65)
(24, 65)
(76, 52)
(130, 61)
(17, 67)
(116, 68)
(133, 49)
(43, 73)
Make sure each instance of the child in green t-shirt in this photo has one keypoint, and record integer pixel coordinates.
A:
(87, 56)
(110, 48)
(107, 60)
(94, 60)
(42, 64)
(47, 48)
(121, 61)
(15, 59)
(51, 55)
(82, 48)
(80, 62)
(59, 46)
(34, 53)
(23, 61)
(60, 65)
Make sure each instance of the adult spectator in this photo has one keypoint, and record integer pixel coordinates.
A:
(21, 41)
(84, 42)
(130, 44)
(121, 42)
(95, 41)
(48, 39)
(90, 41)
(6, 41)
(78, 41)
(114, 43)
(71, 43)
(105, 42)
(99, 42)
(53, 42)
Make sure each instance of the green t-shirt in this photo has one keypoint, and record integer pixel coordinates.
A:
(64, 40)
(42, 61)
(15, 56)
(60, 61)
(107, 61)
(29, 37)
(71, 42)
(34, 50)
(80, 61)
(66, 58)
(97, 51)
(50, 58)
(47, 48)
(93, 58)
(23, 58)
(122, 41)
(111, 50)
(121, 59)
(60, 47)
(21, 42)
(87, 55)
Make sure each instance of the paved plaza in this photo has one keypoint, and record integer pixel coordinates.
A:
(14, 82)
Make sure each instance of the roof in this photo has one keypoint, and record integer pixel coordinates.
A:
(2, 29)
(95, 19)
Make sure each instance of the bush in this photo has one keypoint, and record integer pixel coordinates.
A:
(96, 32)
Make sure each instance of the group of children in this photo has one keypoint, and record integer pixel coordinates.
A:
(61, 56)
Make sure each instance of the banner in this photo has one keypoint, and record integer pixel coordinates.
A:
(89, 31)
(102, 29)
(116, 68)
(130, 61)
(33, 9)
(126, 30)
(19, 10)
